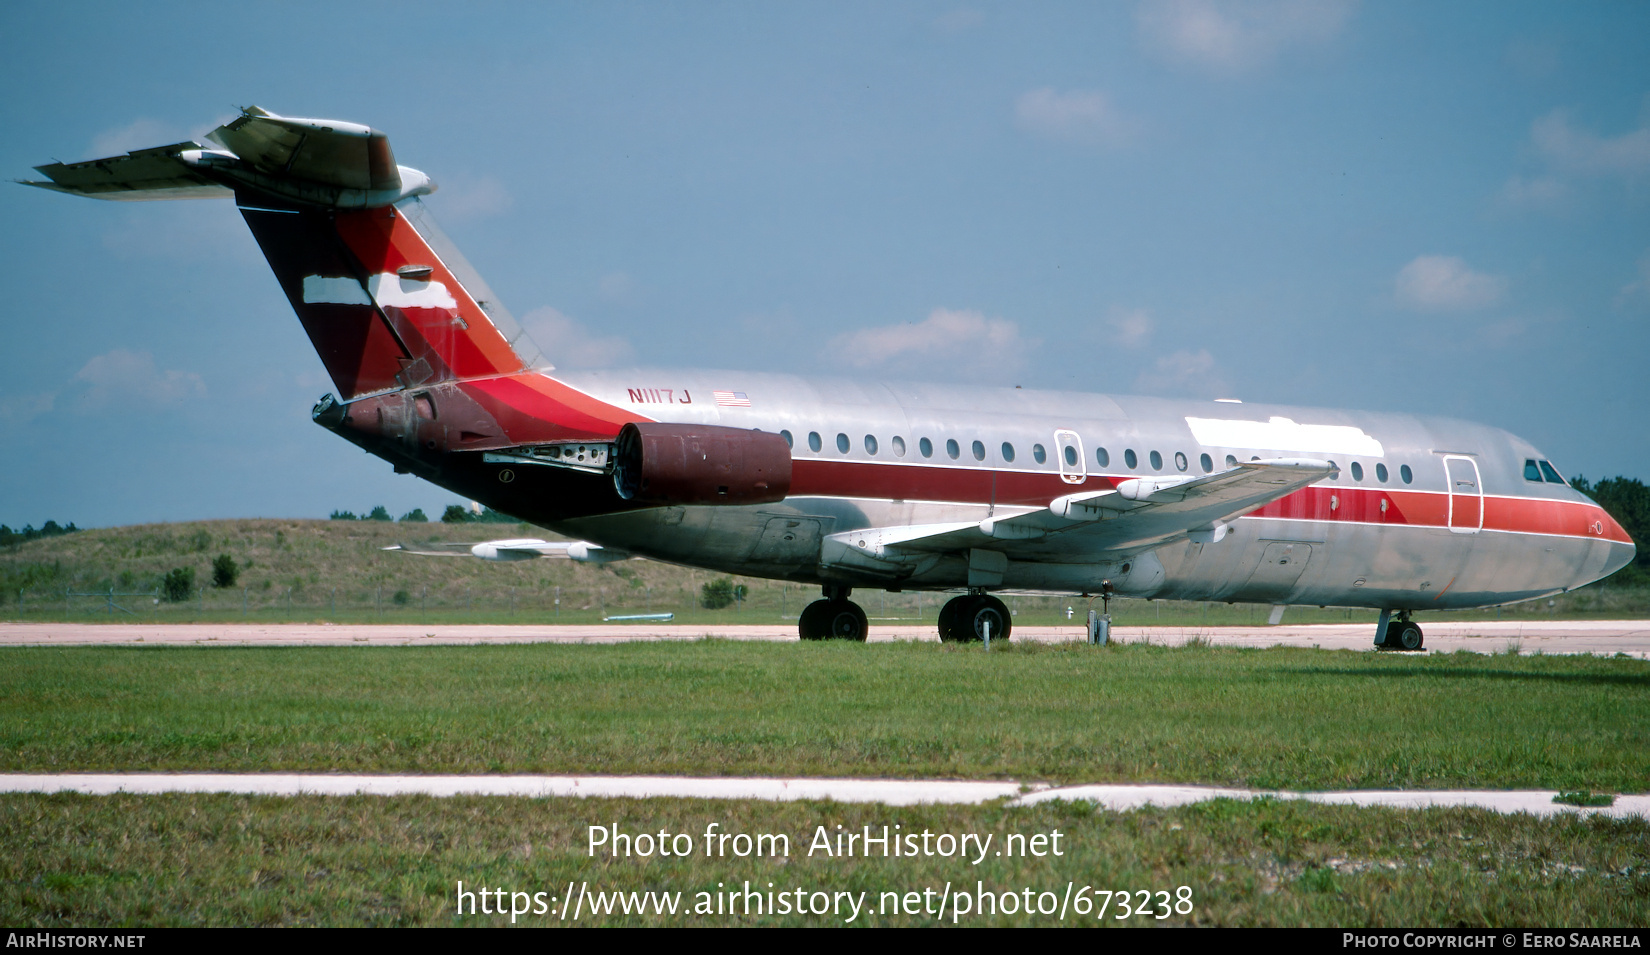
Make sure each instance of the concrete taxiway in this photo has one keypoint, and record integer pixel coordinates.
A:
(891, 792)
(1603, 637)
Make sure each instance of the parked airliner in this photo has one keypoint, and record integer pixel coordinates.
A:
(845, 483)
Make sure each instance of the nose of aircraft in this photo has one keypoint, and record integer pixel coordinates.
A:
(1620, 556)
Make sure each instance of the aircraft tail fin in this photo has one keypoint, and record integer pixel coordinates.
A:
(385, 297)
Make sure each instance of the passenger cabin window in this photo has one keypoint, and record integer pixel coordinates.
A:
(1038, 453)
(813, 441)
(1380, 473)
(1103, 456)
(787, 436)
(1008, 451)
(1231, 460)
(1357, 471)
(899, 446)
(979, 450)
(1405, 473)
(1180, 460)
(842, 442)
(1130, 459)
(1071, 456)
(926, 447)
(870, 444)
(1552, 473)
(1206, 462)
(951, 448)
(1531, 472)
(1157, 461)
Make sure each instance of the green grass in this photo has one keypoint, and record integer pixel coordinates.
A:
(297, 570)
(1585, 798)
(81, 861)
(1276, 718)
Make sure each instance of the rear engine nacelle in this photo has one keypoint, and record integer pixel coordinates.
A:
(700, 464)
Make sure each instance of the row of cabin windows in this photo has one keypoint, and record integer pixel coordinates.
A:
(1535, 470)
(1102, 457)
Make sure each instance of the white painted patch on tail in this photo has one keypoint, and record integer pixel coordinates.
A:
(394, 291)
(386, 288)
(334, 290)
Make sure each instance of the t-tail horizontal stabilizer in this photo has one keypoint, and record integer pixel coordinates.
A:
(319, 162)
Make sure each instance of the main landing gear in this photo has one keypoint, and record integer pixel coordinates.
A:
(834, 618)
(965, 619)
(1399, 634)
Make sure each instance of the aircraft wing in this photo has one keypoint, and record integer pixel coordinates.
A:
(1139, 513)
(521, 548)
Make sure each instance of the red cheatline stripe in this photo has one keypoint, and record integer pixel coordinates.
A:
(819, 478)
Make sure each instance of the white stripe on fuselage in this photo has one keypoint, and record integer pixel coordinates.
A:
(1284, 434)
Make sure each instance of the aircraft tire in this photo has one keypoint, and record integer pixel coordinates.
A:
(1409, 637)
(986, 609)
(845, 620)
(812, 624)
(951, 617)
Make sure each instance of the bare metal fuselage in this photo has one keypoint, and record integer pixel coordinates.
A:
(1424, 543)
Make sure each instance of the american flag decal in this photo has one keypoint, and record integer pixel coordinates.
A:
(731, 399)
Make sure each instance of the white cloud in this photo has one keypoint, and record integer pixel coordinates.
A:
(1076, 115)
(1182, 373)
(1638, 290)
(1587, 153)
(138, 134)
(1232, 37)
(566, 343)
(1444, 283)
(947, 342)
(1130, 328)
(465, 197)
(1537, 192)
(21, 409)
(128, 378)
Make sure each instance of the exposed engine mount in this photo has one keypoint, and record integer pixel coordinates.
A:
(700, 464)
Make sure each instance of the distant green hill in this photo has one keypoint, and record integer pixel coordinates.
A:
(326, 569)
(315, 570)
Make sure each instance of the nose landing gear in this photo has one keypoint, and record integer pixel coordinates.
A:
(1398, 634)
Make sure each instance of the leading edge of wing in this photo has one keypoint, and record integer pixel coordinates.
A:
(1139, 513)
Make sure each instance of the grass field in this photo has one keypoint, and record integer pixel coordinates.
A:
(1066, 713)
(225, 860)
(297, 570)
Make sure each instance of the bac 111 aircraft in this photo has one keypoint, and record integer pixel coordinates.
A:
(846, 483)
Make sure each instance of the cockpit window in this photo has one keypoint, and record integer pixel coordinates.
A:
(1552, 473)
(1531, 472)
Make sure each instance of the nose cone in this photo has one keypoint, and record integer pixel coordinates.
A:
(1620, 556)
(1622, 550)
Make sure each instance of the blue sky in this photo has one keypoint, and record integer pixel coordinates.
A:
(1418, 207)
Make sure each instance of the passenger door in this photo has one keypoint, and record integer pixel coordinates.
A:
(1466, 495)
